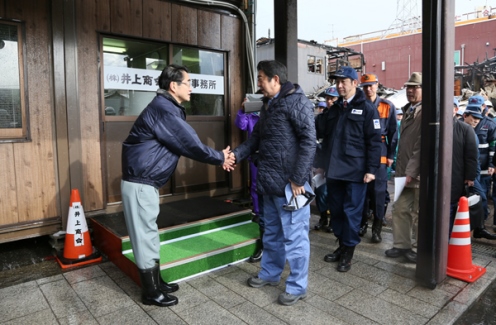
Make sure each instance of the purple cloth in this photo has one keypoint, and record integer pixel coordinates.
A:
(246, 122)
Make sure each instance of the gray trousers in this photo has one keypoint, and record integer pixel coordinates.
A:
(405, 219)
(141, 208)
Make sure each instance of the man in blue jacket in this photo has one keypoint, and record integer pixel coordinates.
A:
(285, 139)
(159, 136)
(351, 155)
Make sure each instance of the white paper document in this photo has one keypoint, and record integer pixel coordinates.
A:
(399, 185)
(318, 180)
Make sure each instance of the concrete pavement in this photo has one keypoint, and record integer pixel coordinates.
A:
(377, 290)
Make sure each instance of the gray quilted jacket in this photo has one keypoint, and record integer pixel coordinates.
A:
(285, 138)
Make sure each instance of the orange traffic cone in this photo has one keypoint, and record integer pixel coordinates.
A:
(77, 248)
(460, 249)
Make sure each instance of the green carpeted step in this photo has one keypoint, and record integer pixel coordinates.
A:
(200, 252)
(197, 227)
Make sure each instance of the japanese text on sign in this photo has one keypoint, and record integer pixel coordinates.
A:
(147, 80)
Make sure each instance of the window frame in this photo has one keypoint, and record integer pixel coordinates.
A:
(169, 60)
(314, 64)
(21, 134)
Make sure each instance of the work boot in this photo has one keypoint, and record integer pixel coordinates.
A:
(257, 256)
(164, 286)
(329, 228)
(336, 255)
(345, 260)
(150, 289)
(363, 229)
(376, 231)
(483, 233)
(322, 222)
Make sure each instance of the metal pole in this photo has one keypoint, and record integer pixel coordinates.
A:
(438, 32)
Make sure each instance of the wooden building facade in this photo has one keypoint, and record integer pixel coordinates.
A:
(74, 76)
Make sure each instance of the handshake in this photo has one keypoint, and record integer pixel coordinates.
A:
(229, 159)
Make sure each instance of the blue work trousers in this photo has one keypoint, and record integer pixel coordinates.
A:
(285, 238)
(346, 201)
(376, 195)
(321, 198)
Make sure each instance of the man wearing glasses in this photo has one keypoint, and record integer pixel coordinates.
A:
(285, 139)
(159, 136)
(405, 210)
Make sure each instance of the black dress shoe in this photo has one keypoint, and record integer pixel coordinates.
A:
(483, 233)
(329, 229)
(322, 222)
(336, 255)
(396, 252)
(363, 229)
(376, 237)
(257, 257)
(411, 256)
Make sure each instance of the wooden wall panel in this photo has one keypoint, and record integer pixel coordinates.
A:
(34, 161)
(157, 20)
(126, 17)
(184, 25)
(208, 29)
(2, 8)
(231, 36)
(95, 15)
(8, 199)
(89, 89)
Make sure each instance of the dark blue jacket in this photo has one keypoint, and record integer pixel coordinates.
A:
(157, 139)
(486, 133)
(352, 141)
(285, 139)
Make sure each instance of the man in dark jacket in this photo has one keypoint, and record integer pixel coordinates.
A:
(285, 139)
(350, 155)
(377, 189)
(464, 161)
(150, 154)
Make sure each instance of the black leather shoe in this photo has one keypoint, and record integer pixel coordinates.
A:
(396, 252)
(329, 229)
(363, 229)
(483, 233)
(376, 237)
(345, 260)
(411, 256)
(257, 257)
(336, 255)
(322, 222)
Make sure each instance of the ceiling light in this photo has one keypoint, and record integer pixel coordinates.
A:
(114, 49)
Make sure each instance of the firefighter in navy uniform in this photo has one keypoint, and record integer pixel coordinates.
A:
(350, 155)
(376, 190)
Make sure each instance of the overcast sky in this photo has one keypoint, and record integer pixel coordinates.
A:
(322, 20)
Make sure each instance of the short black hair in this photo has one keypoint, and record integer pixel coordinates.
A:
(171, 73)
(272, 68)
